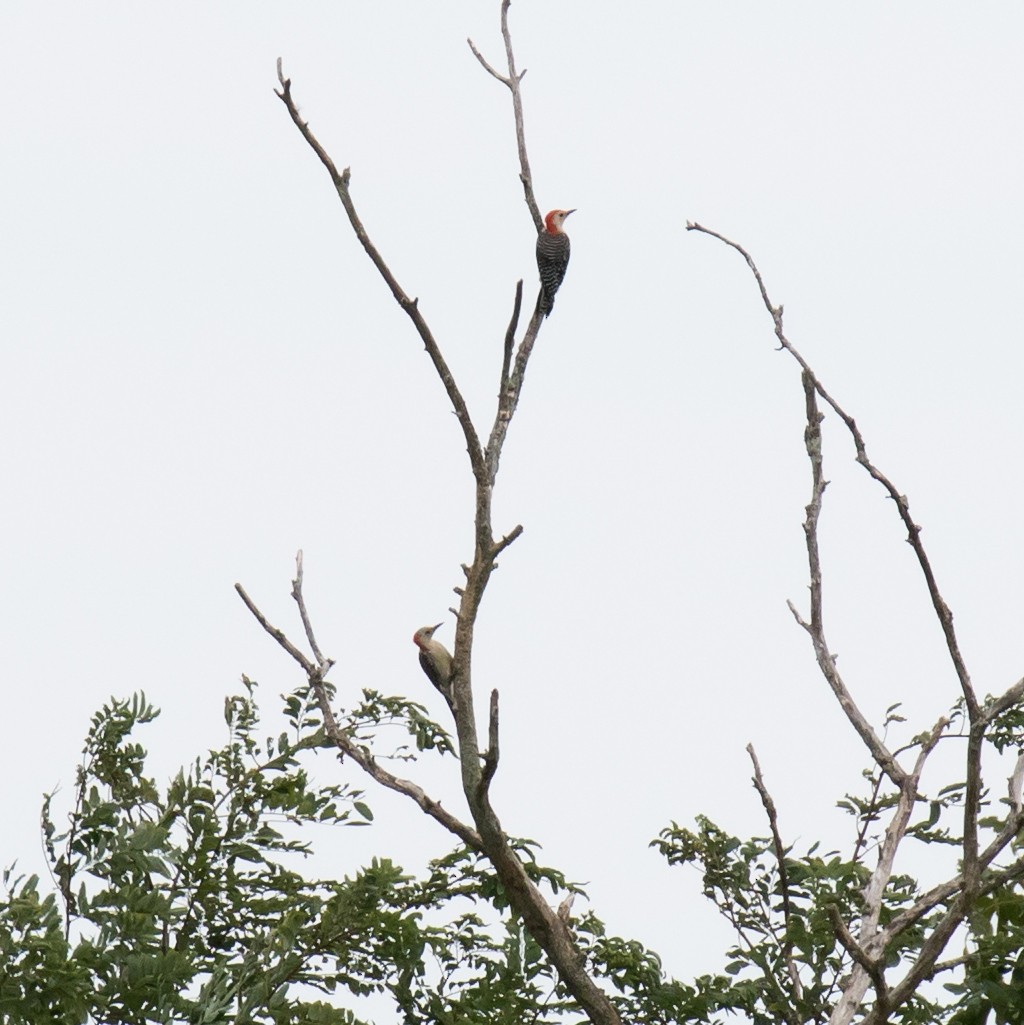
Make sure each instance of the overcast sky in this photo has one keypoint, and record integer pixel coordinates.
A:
(203, 373)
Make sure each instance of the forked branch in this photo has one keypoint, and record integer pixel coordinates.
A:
(477, 768)
(872, 946)
(511, 81)
(342, 741)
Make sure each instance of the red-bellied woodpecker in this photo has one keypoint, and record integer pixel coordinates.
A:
(552, 257)
(434, 658)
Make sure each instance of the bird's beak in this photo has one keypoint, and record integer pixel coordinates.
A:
(572, 211)
(439, 625)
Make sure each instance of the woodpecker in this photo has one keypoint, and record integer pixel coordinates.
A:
(435, 660)
(552, 257)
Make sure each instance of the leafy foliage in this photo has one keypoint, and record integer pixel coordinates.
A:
(188, 904)
(788, 963)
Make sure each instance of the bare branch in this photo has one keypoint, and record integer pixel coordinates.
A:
(512, 381)
(959, 894)
(324, 663)
(508, 400)
(947, 966)
(970, 881)
(512, 82)
(480, 57)
(965, 888)
(853, 948)
(359, 754)
(551, 934)
(972, 808)
(816, 628)
(493, 752)
(410, 306)
(780, 859)
(362, 757)
(945, 616)
(947, 891)
(285, 95)
(278, 635)
(826, 662)
(501, 545)
(1004, 702)
(1015, 783)
(862, 832)
(510, 339)
(539, 919)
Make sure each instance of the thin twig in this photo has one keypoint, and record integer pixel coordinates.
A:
(493, 752)
(324, 663)
(487, 67)
(308, 667)
(954, 962)
(510, 339)
(816, 628)
(850, 945)
(512, 82)
(861, 842)
(780, 860)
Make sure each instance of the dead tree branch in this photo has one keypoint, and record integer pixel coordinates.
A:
(945, 616)
(780, 859)
(477, 768)
(511, 81)
(958, 895)
(547, 929)
(493, 752)
(512, 383)
(510, 338)
(323, 663)
(360, 755)
(816, 627)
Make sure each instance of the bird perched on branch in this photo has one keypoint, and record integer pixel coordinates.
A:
(435, 659)
(552, 257)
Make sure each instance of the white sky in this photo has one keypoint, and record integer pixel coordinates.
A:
(202, 373)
